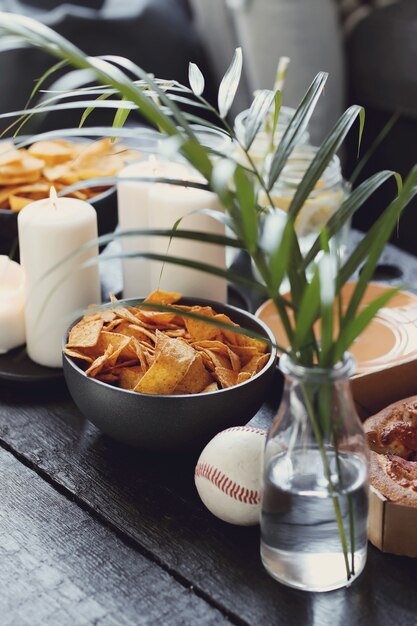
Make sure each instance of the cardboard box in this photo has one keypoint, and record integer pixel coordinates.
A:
(392, 527)
(372, 391)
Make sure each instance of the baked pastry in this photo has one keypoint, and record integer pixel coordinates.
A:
(392, 438)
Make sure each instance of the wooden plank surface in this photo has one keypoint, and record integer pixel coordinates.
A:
(60, 567)
(152, 500)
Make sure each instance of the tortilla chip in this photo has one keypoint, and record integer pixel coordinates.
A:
(118, 342)
(77, 355)
(109, 378)
(99, 362)
(9, 154)
(226, 378)
(130, 376)
(220, 348)
(255, 364)
(218, 359)
(17, 203)
(211, 387)
(198, 329)
(196, 378)
(107, 315)
(243, 377)
(163, 297)
(172, 360)
(245, 353)
(52, 152)
(85, 334)
(159, 318)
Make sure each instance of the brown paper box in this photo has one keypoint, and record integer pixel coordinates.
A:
(392, 527)
(375, 390)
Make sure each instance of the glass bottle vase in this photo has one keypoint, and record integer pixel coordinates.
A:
(315, 481)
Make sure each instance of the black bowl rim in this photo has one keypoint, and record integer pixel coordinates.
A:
(98, 198)
(203, 302)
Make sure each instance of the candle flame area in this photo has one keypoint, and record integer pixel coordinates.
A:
(53, 196)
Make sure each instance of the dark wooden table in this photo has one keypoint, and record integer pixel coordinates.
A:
(92, 532)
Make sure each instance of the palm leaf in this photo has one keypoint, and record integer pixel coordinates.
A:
(296, 128)
(196, 79)
(276, 243)
(324, 155)
(212, 238)
(380, 231)
(327, 272)
(91, 108)
(256, 115)
(349, 207)
(277, 109)
(377, 237)
(356, 325)
(230, 83)
(374, 146)
(307, 314)
(247, 203)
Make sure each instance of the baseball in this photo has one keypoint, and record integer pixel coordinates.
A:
(228, 474)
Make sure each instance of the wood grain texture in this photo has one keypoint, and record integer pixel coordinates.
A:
(153, 501)
(59, 566)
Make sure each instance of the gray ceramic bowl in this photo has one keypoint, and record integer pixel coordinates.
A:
(171, 422)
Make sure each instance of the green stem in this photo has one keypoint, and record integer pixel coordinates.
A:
(350, 507)
(263, 270)
(326, 467)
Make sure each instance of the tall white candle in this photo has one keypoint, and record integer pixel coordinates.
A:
(134, 211)
(49, 230)
(155, 205)
(168, 204)
(12, 322)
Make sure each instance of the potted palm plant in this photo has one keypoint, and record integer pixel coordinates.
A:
(315, 481)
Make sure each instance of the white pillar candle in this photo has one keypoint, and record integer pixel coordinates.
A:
(12, 321)
(134, 210)
(49, 230)
(168, 204)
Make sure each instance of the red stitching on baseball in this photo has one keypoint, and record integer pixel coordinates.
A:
(246, 429)
(228, 486)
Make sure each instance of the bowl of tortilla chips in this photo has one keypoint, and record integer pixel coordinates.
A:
(168, 379)
(27, 174)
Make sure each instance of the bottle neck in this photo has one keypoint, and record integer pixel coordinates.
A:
(315, 374)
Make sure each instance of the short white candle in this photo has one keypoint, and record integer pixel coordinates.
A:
(134, 211)
(49, 230)
(155, 205)
(12, 303)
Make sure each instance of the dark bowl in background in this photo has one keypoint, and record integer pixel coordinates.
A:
(171, 422)
(105, 204)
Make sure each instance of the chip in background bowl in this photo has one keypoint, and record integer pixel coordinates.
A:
(28, 173)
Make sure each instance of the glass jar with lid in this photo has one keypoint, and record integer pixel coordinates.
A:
(325, 199)
(329, 193)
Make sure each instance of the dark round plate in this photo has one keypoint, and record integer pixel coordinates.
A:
(16, 366)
